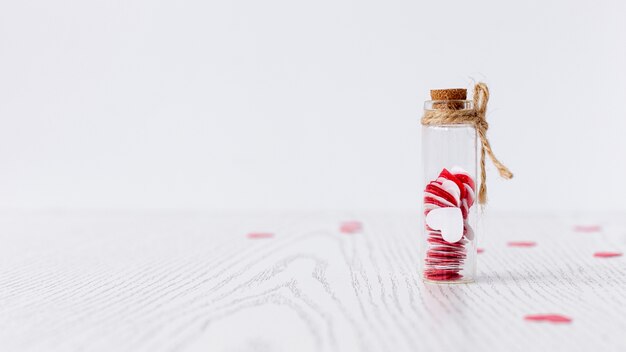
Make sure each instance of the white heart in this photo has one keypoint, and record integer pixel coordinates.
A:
(458, 170)
(451, 188)
(449, 221)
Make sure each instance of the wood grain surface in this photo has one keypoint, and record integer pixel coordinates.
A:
(107, 281)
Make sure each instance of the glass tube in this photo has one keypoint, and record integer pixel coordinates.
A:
(450, 163)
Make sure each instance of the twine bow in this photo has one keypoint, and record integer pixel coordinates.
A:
(476, 117)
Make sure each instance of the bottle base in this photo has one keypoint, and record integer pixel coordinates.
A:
(449, 282)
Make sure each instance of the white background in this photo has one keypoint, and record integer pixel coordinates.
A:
(302, 104)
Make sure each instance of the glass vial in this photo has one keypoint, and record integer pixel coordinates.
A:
(450, 206)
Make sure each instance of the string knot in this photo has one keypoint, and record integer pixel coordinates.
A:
(477, 118)
(481, 124)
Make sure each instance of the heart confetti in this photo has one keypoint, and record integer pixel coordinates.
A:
(447, 220)
(550, 318)
(447, 201)
(587, 228)
(522, 244)
(260, 235)
(350, 227)
(607, 254)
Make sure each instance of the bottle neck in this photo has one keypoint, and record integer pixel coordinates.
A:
(430, 105)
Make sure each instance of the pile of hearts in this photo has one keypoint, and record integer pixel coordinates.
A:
(447, 201)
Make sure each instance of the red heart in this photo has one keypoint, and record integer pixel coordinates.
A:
(351, 227)
(466, 179)
(607, 254)
(551, 318)
(435, 189)
(444, 260)
(522, 244)
(449, 176)
(259, 235)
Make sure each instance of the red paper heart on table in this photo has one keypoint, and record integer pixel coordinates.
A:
(522, 244)
(607, 254)
(350, 227)
(260, 235)
(550, 318)
(587, 228)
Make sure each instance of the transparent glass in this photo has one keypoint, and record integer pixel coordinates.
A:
(455, 149)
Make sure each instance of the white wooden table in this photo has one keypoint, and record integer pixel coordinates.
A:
(96, 281)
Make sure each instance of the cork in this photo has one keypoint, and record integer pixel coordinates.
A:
(446, 95)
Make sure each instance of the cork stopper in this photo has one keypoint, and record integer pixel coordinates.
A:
(446, 95)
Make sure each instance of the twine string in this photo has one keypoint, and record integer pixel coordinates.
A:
(477, 118)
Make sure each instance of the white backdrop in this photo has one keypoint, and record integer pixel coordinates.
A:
(284, 104)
